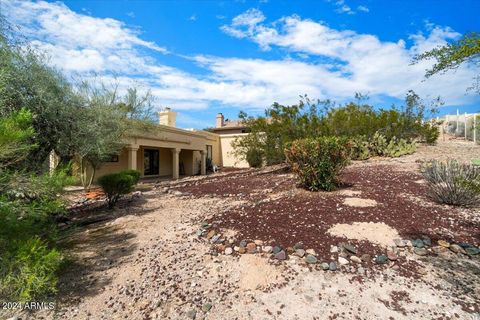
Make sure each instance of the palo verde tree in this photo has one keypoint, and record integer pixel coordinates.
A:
(452, 55)
(105, 118)
(280, 125)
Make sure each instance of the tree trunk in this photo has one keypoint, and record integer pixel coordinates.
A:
(84, 178)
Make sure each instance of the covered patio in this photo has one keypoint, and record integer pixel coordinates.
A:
(155, 161)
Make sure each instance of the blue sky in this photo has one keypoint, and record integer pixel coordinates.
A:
(204, 57)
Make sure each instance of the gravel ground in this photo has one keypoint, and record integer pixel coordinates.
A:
(153, 257)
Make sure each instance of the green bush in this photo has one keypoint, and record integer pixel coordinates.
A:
(317, 162)
(135, 174)
(28, 263)
(254, 158)
(115, 185)
(429, 133)
(30, 271)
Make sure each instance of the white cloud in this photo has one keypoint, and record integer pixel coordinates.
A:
(345, 9)
(345, 61)
(79, 42)
(362, 61)
(244, 24)
(363, 8)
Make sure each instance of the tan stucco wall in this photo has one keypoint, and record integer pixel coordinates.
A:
(111, 167)
(229, 159)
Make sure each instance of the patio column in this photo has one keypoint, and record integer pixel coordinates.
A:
(175, 162)
(203, 167)
(132, 158)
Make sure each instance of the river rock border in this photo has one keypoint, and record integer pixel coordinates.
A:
(346, 253)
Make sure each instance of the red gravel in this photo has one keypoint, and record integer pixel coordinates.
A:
(306, 216)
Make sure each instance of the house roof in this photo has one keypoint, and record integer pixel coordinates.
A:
(154, 130)
(230, 125)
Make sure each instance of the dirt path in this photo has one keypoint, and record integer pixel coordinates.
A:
(148, 262)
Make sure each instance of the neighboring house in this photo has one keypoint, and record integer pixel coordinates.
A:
(171, 151)
(228, 132)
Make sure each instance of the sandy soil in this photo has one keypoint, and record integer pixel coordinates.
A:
(376, 232)
(146, 260)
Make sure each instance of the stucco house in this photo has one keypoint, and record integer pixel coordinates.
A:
(228, 132)
(172, 152)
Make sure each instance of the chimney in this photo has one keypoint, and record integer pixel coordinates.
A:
(168, 117)
(220, 120)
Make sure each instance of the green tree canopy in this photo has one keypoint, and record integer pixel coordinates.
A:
(452, 55)
(83, 119)
(310, 119)
(16, 130)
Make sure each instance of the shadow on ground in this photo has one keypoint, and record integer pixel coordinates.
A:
(92, 246)
(461, 275)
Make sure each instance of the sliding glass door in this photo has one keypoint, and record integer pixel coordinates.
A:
(151, 162)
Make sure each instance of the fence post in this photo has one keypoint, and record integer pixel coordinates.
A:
(465, 125)
(475, 128)
(456, 128)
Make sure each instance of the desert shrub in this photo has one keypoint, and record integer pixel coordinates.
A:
(254, 158)
(452, 182)
(310, 119)
(135, 174)
(28, 257)
(399, 147)
(115, 185)
(360, 148)
(317, 162)
(429, 132)
(28, 206)
(29, 272)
